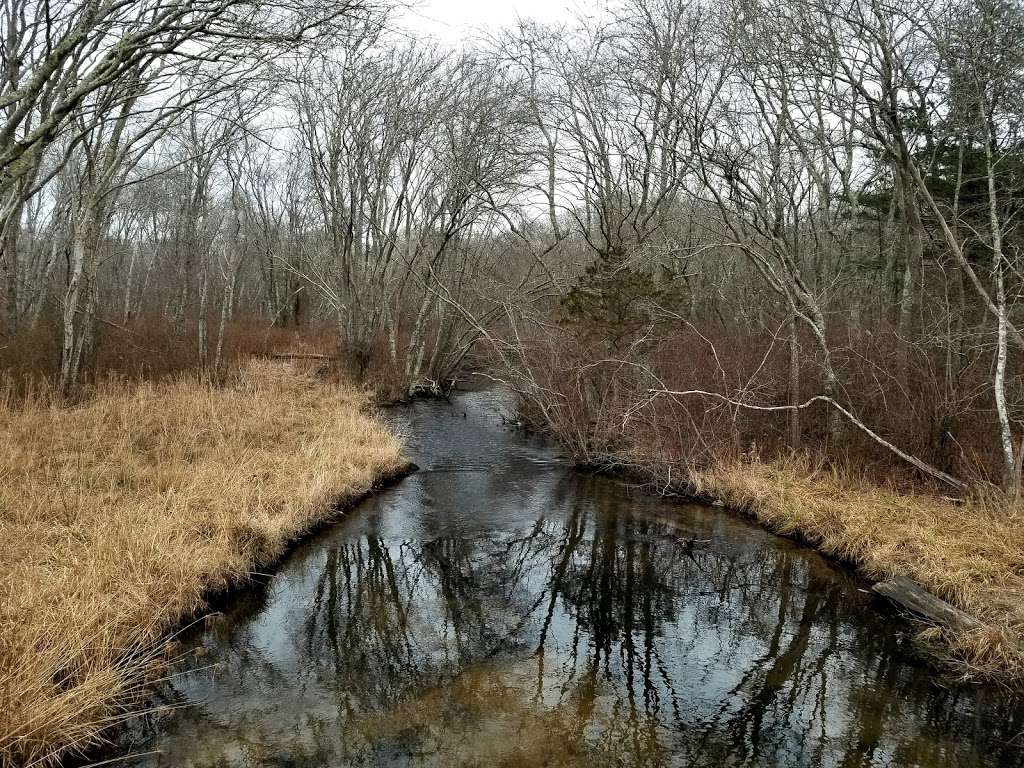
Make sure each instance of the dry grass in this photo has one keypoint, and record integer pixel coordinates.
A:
(970, 554)
(121, 515)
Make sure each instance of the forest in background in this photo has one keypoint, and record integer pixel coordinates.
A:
(765, 253)
(684, 232)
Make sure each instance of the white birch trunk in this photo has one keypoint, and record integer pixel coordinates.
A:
(1010, 478)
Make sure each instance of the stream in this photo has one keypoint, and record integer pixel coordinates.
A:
(498, 608)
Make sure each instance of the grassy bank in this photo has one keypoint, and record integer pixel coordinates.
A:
(970, 554)
(121, 515)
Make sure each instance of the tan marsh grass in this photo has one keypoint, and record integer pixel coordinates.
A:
(970, 554)
(119, 516)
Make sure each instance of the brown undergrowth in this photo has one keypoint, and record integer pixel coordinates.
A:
(638, 409)
(969, 553)
(121, 515)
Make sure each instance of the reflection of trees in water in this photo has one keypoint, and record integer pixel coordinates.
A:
(357, 620)
(655, 647)
(817, 679)
(627, 585)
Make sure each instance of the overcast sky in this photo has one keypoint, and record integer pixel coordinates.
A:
(451, 21)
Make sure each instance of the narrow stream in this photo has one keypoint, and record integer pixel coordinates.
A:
(500, 609)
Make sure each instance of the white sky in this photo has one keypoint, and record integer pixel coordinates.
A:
(452, 21)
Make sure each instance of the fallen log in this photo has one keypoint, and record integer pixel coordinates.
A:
(300, 356)
(915, 598)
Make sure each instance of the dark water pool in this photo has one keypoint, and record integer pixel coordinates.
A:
(500, 609)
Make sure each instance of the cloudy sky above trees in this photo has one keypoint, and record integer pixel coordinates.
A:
(450, 21)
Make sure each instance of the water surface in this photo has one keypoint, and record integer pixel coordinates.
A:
(499, 609)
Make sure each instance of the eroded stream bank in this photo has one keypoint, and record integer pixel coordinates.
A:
(499, 608)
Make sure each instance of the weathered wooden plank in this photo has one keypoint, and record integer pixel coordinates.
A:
(919, 600)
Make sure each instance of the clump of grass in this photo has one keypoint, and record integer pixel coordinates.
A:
(969, 553)
(119, 516)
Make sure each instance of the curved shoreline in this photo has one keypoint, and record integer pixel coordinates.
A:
(820, 513)
(127, 516)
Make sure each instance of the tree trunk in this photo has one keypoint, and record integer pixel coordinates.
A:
(126, 313)
(81, 253)
(1010, 479)
(794, 383)
(225, 315)
(12, 270)
(203, 338)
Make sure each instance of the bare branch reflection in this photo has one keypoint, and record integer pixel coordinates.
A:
(522, 614)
